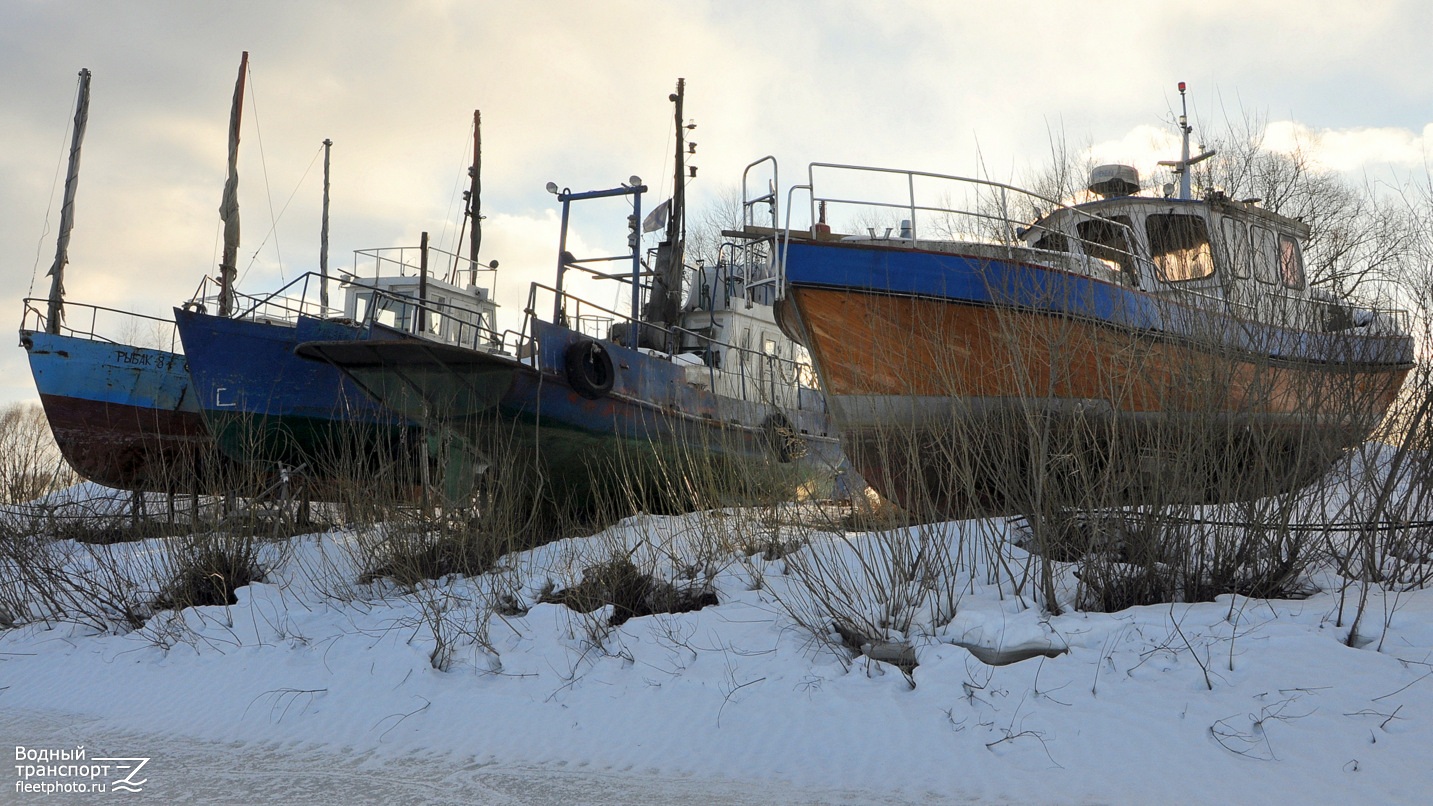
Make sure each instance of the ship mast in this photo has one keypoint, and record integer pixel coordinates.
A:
(56, 312)
(1181, 167)
(475, 197)
(323, 234)
(665, 305)
(229, 207)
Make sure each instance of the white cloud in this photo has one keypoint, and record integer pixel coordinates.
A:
(1352, 150)
(1143, 147)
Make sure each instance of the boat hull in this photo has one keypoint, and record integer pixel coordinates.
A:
(124, 416)
(267, 407)
(967, 388)
(653, 441)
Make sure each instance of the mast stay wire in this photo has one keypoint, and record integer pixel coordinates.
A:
(317, 153)
(268, 188)
(54, 183)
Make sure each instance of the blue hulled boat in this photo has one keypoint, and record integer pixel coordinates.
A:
(266, 406)
(691, 398)
(998, 352)
(123, 415)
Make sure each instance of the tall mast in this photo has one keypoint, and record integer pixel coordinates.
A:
(56, 311)
(475, 197)
(676, 223)
(229, 207)
(666, 302)
(323, 234)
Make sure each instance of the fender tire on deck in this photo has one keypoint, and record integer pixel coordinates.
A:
(589, 369)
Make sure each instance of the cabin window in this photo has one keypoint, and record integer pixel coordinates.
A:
(1236, 247)
(1179, 245)
(1291, 262)
(1265, 254)
(1053, 242)
(393, 313)
(437, 321)
(360, 304)
(1105, 241)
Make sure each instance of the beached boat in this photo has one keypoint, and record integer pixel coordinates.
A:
(995, 352)
(121, 412)
(268, 408)
(686, 399)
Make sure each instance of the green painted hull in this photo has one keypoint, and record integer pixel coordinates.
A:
(651, 442)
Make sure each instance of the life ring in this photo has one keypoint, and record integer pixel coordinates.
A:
(782, 438)
(589, 368)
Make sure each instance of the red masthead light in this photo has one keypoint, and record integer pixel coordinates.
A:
(1181, 86)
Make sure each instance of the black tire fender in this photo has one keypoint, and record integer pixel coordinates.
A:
(589, 368)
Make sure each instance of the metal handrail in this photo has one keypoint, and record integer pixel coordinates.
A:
(299, 298)
(911, 206)
(391, 256)
(283, 305)
(35, 311)
(789, 370)
(1011, 230)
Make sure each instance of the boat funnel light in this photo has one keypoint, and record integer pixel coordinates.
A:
(1110, 181)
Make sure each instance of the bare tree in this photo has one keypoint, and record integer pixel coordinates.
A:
(30, 463)
(705, 227)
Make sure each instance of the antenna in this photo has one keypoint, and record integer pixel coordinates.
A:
(1181, 167)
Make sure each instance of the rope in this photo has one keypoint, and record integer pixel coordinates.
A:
(54, 183)
(283, 210)
(268, 188)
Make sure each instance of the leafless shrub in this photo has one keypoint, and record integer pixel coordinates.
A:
(630, 592)
(207, 569)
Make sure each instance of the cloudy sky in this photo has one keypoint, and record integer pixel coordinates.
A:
(576, 93)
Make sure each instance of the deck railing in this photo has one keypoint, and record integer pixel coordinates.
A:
(914, 209)
(104, 324)
(404, 261)
(757, 376)
(299, 297)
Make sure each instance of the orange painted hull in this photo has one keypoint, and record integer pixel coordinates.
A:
(949, 407)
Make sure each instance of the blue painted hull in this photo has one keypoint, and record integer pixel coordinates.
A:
(267, 406)
(652, 441)
(123, 416)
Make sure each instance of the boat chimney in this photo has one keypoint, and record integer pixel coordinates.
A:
(1114, 181)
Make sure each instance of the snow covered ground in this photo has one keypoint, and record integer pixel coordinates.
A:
(316, 689)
